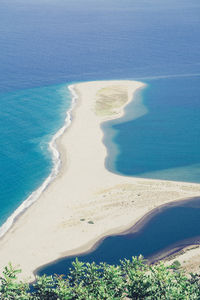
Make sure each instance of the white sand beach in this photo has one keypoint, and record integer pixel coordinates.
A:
(56, 224)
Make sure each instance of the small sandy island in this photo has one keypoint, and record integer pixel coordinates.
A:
(86, 202)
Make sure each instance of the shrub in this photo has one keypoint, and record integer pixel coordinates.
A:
(131, 279)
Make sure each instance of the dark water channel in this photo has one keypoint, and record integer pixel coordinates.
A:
(165, 230)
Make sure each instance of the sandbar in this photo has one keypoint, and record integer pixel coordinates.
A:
(85, 201)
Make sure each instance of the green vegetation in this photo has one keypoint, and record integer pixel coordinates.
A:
(129, 280)
(110, 100)
(90, 222)
(176, 265)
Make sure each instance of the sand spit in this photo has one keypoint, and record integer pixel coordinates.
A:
(53, 226)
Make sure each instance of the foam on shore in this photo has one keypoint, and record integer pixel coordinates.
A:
(55, 170)
(58, 224)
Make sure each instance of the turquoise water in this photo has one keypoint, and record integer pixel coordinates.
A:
(29, 120)
(47, 44)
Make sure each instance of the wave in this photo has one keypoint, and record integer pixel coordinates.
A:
(169, 76)
(55, 170)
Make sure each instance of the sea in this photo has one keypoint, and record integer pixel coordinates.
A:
(48, 45)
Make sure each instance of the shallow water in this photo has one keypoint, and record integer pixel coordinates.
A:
(159, 136)
(47, 44)
(29, 119)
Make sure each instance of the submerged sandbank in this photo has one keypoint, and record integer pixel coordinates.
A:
(84, 189)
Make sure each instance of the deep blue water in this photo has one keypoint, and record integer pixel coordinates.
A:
(169, 227)
(47, 44)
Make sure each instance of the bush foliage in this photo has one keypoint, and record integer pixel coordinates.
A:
(88, 281)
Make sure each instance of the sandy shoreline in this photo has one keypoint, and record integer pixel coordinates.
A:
(84, 189)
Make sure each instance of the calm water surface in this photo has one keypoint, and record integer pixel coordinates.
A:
(170, 227)
(47, 44)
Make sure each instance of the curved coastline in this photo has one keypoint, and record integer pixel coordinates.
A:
(101, 196)
(165, 254)
(54, 172)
